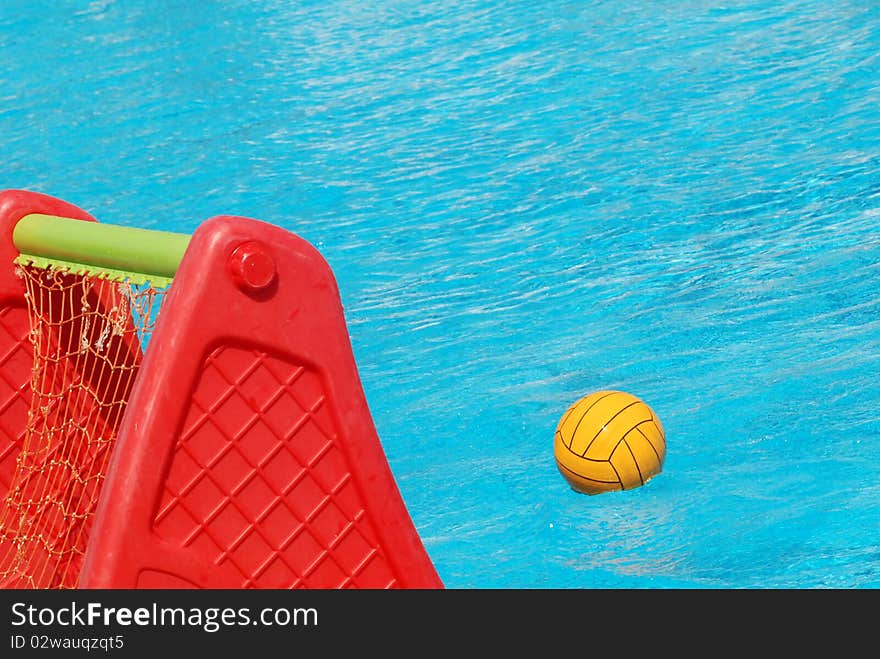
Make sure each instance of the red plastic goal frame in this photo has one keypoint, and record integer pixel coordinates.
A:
(247, 456)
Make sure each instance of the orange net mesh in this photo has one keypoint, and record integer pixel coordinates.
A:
(88, 336)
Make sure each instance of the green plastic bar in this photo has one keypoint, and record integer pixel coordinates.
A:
(102, 246)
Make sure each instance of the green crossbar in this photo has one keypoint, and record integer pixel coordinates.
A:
(99, 250)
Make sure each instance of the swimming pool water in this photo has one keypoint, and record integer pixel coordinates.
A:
(524, 203)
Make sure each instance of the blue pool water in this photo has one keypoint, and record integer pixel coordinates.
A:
(524, 203)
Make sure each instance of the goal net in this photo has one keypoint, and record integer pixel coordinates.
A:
(87, 334)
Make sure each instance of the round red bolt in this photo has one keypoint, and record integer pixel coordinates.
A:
(252, 267)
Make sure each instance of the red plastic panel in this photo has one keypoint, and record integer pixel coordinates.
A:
(51, 480)
(16, 352)
(16, 362)
(258, 480)
(247, 457)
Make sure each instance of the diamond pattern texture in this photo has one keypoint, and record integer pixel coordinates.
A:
(16, 364)
(259, 481)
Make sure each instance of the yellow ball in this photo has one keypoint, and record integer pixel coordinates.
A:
(609, 440)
